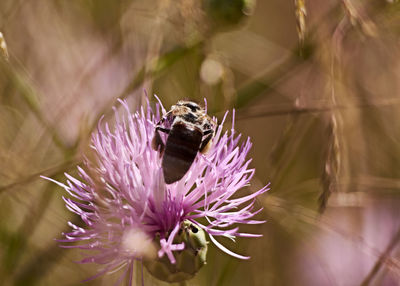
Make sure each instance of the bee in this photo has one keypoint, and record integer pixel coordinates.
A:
(189, 131)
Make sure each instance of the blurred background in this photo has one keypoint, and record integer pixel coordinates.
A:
(315, 84)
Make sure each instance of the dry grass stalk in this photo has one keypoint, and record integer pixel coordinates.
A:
(301, 14)
(3, 47)
(331, 169)
(357, 19)
(155, 41)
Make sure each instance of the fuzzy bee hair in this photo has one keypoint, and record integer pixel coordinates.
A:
(189, 131)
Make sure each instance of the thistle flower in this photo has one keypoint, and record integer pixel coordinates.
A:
(132, 215)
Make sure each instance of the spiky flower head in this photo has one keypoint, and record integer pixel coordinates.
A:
(130, 214)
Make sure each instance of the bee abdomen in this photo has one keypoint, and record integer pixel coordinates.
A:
(180, 151)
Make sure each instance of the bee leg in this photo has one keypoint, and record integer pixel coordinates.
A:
(157, 143)
(162, 120)
(165, 130)
(206, 143)
(207, 132)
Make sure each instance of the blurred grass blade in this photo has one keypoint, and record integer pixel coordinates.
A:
(264, 83)
(153, 70)
(3, 47)
(330, 174)
(41, 263)
(31, 98)
(357, 19)
(381, 260)
(16, 248)
(50, 172)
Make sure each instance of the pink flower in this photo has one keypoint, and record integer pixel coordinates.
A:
(126, 206)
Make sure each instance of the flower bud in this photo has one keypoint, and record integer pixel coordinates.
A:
(188, 261)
